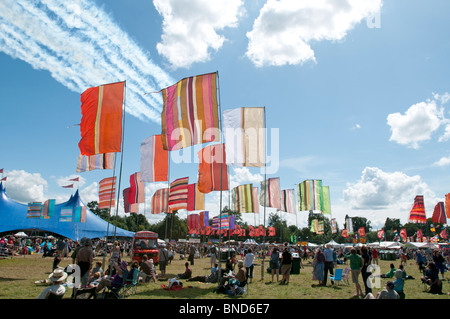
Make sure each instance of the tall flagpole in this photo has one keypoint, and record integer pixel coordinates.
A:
(265, 193)
(221, 170)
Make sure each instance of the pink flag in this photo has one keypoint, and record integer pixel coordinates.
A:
(67, 186)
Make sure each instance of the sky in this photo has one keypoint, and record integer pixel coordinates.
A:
(356, 93)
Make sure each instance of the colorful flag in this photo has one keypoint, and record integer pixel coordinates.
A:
(66, 214)
(362, 232)
(224, 222)
(447, 205)
(349, 225)
(80, 214)
(310, 194)
(255, 200)
(417, 214)
(320, 227)
(288, 201)
(419, 235)
(380, 234)
(333, 226)
(344, 233)
(204, 219)
(245, 136)
(443, 234)
(193, 221)
(326, 206)
(88, 163)
(76, 179)
(212, 169)
(34, 210)
(137, 189)
(107, 192)
(196, 199)
(314, 225)
(68, 186)
(129, 208)
(243, 198)
(439, 214)
(4, 178)
(101, 121)
(403, 234)
(270, 193)
(189, 114)
(178, 194)
(160, 201)
(154, 160)
(48, 209)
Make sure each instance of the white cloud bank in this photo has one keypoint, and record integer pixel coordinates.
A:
(190, 28)
(285, 29)
(81, 46)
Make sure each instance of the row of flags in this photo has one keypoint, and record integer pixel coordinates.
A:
(440, 214)
(46, 210)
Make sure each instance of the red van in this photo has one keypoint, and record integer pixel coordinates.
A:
(145, 243)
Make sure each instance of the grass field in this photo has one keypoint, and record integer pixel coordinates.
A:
(17, 277)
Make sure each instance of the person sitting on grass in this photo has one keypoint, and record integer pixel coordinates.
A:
(399, 283)
(187, 272)
(57, 288)
(390, 273)
(387, 293)
(432, 278)
(213, 277)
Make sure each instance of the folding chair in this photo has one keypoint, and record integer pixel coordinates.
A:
(130, 287)
(337, 276)
(345, 275)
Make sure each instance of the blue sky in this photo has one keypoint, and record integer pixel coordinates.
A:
(356, 90)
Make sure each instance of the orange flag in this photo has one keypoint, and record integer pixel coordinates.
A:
(211, 171)
(101, 121)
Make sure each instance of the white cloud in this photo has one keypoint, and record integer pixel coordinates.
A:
(443, 161)
(384, 194)
(190, 28)
(81, 46)
(25, 187)
(284, 30)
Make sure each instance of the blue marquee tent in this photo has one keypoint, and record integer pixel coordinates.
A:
(14, 217)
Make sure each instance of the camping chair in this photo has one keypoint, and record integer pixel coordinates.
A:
(52, 295)
(337, 276)
(130, 287)
(345, 275)
(86, 293)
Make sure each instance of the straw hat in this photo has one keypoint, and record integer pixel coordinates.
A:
(58, 275)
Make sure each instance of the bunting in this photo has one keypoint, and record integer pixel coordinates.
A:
(288, 201)
(88, 163)
(439, 214)
(107, 192)
(270, 193)
(189, 114)
(212, 170)
(137, 189)
(101, 121)
(154, 160)
(160, 200)
(196, 199)
(178, 194)
(245, 136)
(417, 214)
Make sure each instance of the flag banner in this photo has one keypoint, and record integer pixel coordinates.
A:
(344, 233)
(80, 214)
(196, 199)
(349, 225)
(101, 119)
(88, 163)
(326, 205)
(245, 136)
(160, 200)
(439, 214)
(224, 222)
(4, 178)
(107, 193)
(403, 234)
(154, 160)
(48, 209)
(380, 234)
(178, 194)
(270, 193)
(443, 234)
(244, 198)
(232, 220)
(419, 235)
(212, 170)
(215, 223)
(310, 194)
(76, 179)
(34, 210)
(333, 226)
(189, 114)
(288, 201)
(204, 219)
(362, 232)
(319, 227)
(68, 186)
(417, 214)
(314, 225)
(255, 200)
(193, 222)
(447, 205)
(129, 208)
(137, 189)
(1, 171)
(66, 214)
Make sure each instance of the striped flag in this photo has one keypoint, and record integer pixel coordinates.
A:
(349, 225)
(68, 186)
(101, 121)
(48, 209)
(310, 195)
(270, 193)
(178, 194)
(212, 170)
(189, 114)
(34, 210)
(66, 214)
(417, 214)
(88, 163)
(193, 222)
(333, 226)
(196, 199)
(137, 189)
(204, 219)
(80, 214)
(129, 208)
(288, 201)
(439, 214)
(242, 199)
(107, 192)
(154, 160)
(159, 201)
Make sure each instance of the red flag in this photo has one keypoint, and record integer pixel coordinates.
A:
(4, 178)
(362, 232)
(101, 121)
(439, 214)
(136, 194)
(380, 234)
(403, 234)
(210, 170)
(443, 234)
(1, 170)
(344, 233)
(67, 186)
(77, 179)
(419, 234)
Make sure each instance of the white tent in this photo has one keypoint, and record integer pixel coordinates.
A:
(21, 234)
(334, 244)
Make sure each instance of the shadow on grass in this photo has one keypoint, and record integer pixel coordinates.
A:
(11, 279)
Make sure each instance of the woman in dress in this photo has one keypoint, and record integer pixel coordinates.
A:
(318, 266)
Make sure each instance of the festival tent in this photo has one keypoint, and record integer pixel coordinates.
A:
(334, 244)
(14, 217)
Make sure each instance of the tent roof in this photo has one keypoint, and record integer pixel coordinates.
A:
(13, 217)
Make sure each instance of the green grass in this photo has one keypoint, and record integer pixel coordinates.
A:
(17, 277)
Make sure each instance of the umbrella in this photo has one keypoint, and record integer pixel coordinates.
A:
(21, 234)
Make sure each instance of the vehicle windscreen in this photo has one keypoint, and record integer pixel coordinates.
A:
(143, 244)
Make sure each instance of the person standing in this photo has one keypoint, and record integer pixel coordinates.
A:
(356, 263)
(84, 260)
(329, 263)
(286, 265)
(318, 266)
(248, 263)
(163, 259)
(365, 275)
(275, 262)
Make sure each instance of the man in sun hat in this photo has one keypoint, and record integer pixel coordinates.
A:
(57, 277)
